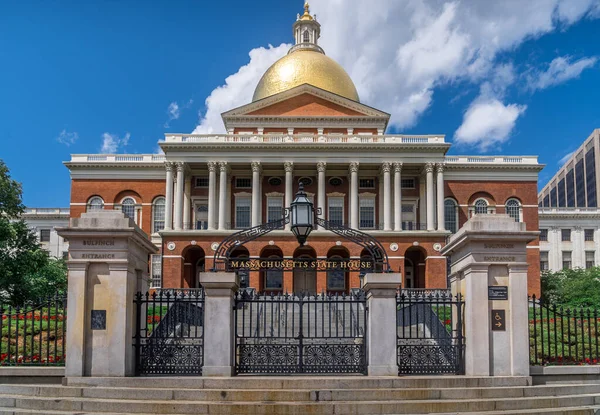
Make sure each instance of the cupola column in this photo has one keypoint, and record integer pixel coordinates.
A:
(179, 196)
(397, 196)
(354, 195)
(289, 187)
(223, 168)
(440, 197)
(321, 168)
(387, 199)
(256, 195)
(212, 190)
(429, 167)
(169, 197)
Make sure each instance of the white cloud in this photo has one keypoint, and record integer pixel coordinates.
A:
(566, 157)
(560, 70)
(67, 138)
(174, 111)
(399, 52)
(488, 123)
(238, 88)
(112, 142)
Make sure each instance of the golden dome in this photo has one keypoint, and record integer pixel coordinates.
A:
(305, 67)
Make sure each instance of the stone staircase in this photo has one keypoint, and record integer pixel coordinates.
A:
(300, 395)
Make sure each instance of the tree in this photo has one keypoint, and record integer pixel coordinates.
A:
(21, 256)
(572, 287)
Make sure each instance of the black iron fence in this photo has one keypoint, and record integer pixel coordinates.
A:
(430, 332)
(562, 335)
(34, 335)
(169, 337)
(300, 333)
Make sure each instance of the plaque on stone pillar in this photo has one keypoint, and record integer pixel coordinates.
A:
(98, 320)
(498, 320)
(497, 293)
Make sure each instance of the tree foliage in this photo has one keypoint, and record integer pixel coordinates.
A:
(572, 287)
(26, 271)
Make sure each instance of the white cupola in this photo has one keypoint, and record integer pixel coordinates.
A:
(307, 32)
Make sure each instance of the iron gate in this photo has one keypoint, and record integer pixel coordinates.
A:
(169, 336)
(300, 333)
(430, 332)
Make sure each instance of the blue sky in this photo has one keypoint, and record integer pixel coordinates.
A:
(77, 76)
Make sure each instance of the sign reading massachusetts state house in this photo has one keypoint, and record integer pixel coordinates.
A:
(308, 264)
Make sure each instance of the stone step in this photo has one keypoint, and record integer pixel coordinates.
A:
(300, 382)
(96, 405)
(295, 395)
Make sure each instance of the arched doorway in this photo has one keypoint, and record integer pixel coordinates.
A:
(272, 278)
(194, 261)
(305, 278)
(338, 278)
(414, 267)
(241, 252)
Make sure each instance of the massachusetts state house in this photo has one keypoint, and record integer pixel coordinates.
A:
(306, 124)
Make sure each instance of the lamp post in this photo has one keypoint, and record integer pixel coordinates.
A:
(303, 215)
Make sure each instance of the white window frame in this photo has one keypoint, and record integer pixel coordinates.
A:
(273, 198)
(239, 197)
(593, 261)
(197, 204)
(90, 204)
(414, 182)
(490, 209)
(329, 288)
(266, 275)
(155, 262)
(335, 197)
(519, 207)
(371, 198)
(366, 187)
(243, 187)
(455, 206)
(203, 178)
(134, 205)
(547, 260)
(154, 219)
(570, 261)
(49, 235)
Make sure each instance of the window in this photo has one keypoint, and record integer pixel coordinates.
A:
(243, 183)
(481, 206)
(158, 214)
(335, 181)
(156, 271)
(590, 178)
(65, 255)
(95, 204)
(306, 37)
(589, 235)
(544, 235)
(336, 278)
(44, 235)
(306, 181)
(366, 183)
(566, 260)
(565, 235)
(547, 201)
(202, 182)
(553, 200)
(336, 210)
(128, 207)
(202, 217)
(513, 209)
(242, 212)
(590, 261)
(544, 261)
(571, 188)
(407, 183)
(450, 215)
(274, 277)
(366, 216)
(274, 208)
(561, 193)
(580, 183)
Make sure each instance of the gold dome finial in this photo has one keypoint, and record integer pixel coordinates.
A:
(306, 15)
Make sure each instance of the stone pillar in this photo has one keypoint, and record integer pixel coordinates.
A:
(222, 194)
(108, 265)
(440, 197)
(219, 324)
(430, 203)
(387, 197)
(354, 195)
(321, 205)
(256, 195)
(382, 342)
(179, 196)
(289, 187)
(212, 190)
(398, 196)
(491, 251)
(169, 197)
(187, 193)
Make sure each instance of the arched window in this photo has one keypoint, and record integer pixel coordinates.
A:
(481, 206)
(336, 278)
(274, 276)
(513, 209)
(306, 37)
(158, 214)
(128, 207)
(450, 215)
(95, 204)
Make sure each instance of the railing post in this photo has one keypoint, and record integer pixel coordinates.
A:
(219, 322)
(382, 342)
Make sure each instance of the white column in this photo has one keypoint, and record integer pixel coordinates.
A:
(255, 193)
(387, 197)
(222, 194)
(430, 202)
(518, 319)
(289, 187)
(169, 197)
(212, 190)
(228, 207)
(477, 321)
(440, 197)
(354, 195)
(187, 193)
(321, 168)
(179, 196)
(397, 196)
